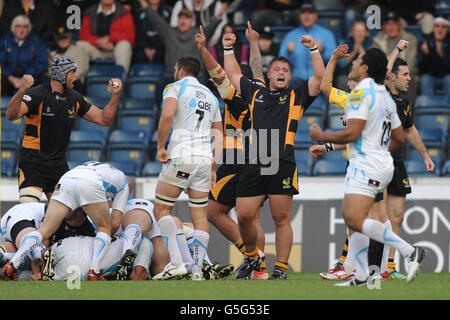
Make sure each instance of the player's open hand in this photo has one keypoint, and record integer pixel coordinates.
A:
(317, 150)
(315, 132)
(27, 82)
(200, 39)
(308, 41)
(250, 34)
(341, 52)
(115, 85)
(402, 44)
(228, 40)
(161, 156)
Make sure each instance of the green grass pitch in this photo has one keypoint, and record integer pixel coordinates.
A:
(299, 286)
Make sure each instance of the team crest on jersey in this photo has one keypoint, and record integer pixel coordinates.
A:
(356, 96)
(283, 99)
(71, 112)
(287, 183)
(406, 183)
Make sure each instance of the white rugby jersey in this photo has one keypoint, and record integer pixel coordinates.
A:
(112, 179)
(372, 102)
(197, 109)
(23, 211)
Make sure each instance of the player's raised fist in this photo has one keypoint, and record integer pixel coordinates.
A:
(228, 39)
(315, 132)
(200, 39)
(307, 41)
(250, 34)
(27, 81)
(402, 44)
(115, 85)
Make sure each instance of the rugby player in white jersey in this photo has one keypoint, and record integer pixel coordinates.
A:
(191, 114)
(373, 130)
(88, 186)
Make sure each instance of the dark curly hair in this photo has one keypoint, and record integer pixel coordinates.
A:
(376, 61)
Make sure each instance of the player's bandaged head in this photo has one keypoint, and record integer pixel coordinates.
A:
(61, 66)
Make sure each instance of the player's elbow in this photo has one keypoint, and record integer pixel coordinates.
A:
(351, 136)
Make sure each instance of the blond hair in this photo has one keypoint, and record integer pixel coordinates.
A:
(18, 19)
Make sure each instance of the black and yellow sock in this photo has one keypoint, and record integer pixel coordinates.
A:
(391, 265)
(344, 252)
(283, 266)
(253, 255)
(240, 246)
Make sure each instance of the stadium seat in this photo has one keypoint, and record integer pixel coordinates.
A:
(329, 167)
(143, 79)
(152, 71)
(83, 154)
(84, 125)
(335, 114)
(139, 104)
(151, 169)
(4, 103)
(99, 102)
(335, 155)
(333, 21)
(302, 139)
(10, 139)
(304, 167)
(85, 146)
(128, 146)
(98, 76)
(432, 118)
(446, 169)
(416, 168)
(136, 120)
(279, 32)
(16, 125)
(436, 154)
(8, 168)
(320, 104)
(415, 30)
(434, 137)
(431, 101)
(308, 119)
(127, 167)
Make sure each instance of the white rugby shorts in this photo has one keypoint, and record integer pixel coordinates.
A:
(360, 182)
(75, 192)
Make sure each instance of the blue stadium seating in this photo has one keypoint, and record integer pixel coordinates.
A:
(84, 125)
(333, 21)
(151, 71)
(302, 154)
(432, 118)
(127, 167)
(139, 104)
(320, 104)
(128, 146)
(335, 114)
(415, 30)
(304, 167)
(4, 103)
(83, 154)
(436, 154)
(8, 168)
(416, 168)
(308, 119)
(98, 76)
(143, 79)
(302, 139)
(10, 139)
(99, 102)
(85, 146)
(329, 167)
(335, 155)
(431, 101)
(446, 169)
(16, 125)
(151, 169)
(435, 137)
(136, 120)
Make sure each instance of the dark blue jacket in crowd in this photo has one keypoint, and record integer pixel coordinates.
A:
(29, 58)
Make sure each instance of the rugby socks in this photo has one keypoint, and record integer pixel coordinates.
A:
(240, 246)
(375, 255)
(168, 230)
(132, 236)
(381, 233)
(99, 248)
(391, 265)
(184, 248)
(283, 266)
(358, 247)
(386, 250)
(198, 249)
(144, 254)
(31, 242)
(253, 255)
(35, 255)
(344, 252)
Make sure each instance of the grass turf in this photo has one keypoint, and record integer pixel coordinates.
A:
(299, 286)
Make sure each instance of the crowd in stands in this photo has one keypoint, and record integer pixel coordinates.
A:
(135, 32)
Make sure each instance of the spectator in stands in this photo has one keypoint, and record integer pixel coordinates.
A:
(414, 12)
(298, 54)
(39, 12)
(276, 13)
(268, 47)
(240, 49)
(109, 27)
(21, 52)
(434, 59)
(82, 53)
(205, 11)
(386, 40)
(150, 46)
(358, 42)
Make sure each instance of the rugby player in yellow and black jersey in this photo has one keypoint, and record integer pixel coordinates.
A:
(236, 122)
(277, 108)
(50, 110)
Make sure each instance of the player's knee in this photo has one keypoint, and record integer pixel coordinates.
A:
(30, 194)
(281, 220)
